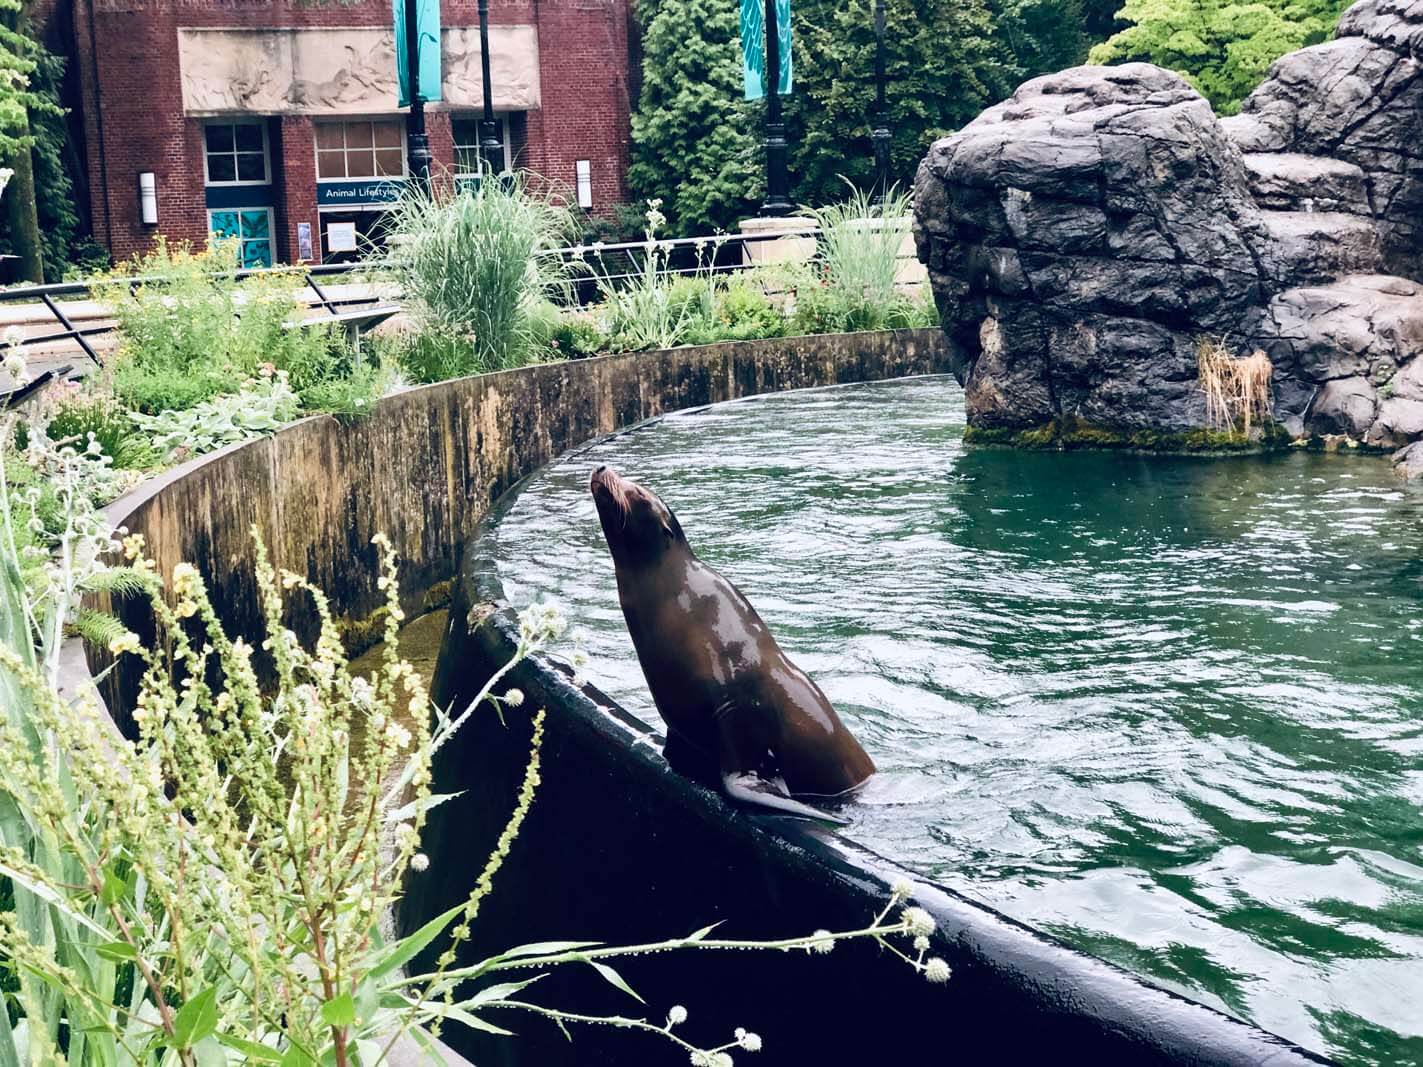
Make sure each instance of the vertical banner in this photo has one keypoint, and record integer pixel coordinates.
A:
(427, 25)
(753, 46)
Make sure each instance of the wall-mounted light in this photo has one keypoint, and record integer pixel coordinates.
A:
(583, 171)
(148, 198)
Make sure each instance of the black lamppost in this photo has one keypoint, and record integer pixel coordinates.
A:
(491, 148)
(417, 142)
(777, 181)
(879, 134)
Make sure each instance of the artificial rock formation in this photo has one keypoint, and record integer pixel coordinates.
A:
(1086, 236)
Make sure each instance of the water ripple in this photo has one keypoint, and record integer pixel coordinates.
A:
(1169, 709)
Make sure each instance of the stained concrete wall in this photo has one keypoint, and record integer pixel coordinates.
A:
(425, 466)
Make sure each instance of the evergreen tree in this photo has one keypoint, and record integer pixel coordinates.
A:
(1223, 48)
(942, 67)
(695, 142)
(17, 66)
(1039, 36)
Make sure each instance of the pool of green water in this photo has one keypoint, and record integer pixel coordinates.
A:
(1167, 709)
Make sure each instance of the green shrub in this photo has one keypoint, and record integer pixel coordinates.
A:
(212, 890)
(259, 407)
(469, 263)
(86, 417)
(191, 331)
(1223, 49)
(577, 336)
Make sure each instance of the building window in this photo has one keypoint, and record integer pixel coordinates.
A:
(235, 153)
(360, 149)
(466, 136)
(252, 228)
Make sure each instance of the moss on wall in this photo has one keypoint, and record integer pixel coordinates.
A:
(1073, 433)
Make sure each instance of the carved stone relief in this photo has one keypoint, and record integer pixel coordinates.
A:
(350, 71)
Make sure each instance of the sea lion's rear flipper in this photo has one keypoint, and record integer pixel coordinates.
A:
(751, 788)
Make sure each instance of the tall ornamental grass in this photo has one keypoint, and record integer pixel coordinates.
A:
(215, 890)
(470, 264)
(856, 260)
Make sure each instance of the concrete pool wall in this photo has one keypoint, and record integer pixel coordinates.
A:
(616, 845)
(426, 465)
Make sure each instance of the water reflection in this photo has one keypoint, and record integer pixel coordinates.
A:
(1170, 709)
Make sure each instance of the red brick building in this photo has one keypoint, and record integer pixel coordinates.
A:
(275, 121)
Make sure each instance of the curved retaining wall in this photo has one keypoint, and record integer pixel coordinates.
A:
(642, 854)
(616, 844)
(426, 465)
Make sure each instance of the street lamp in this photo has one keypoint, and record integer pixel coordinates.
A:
(491, 148)
(777, 180)
(879, 134)
(417, 142)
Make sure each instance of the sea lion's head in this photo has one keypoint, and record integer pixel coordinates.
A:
(638, 527)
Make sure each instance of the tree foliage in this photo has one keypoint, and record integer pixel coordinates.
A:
(695, 143)
(943, 65)
(17, 64)
(32, 118)
(698, 146)
(1223, 48)
(1039, 36)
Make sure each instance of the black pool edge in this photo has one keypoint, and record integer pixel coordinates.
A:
(1018, 995)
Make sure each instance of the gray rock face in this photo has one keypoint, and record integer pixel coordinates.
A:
(1356, 99)
(1079, 236)
(1084, 238)
(1289, 181)
(1408, 462)
(1348, 358)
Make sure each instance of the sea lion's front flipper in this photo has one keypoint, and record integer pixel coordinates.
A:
(750, 788)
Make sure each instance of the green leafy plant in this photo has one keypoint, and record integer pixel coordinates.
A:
(188, 329)
(857, 260)
(470, 264)
(214, 889)
(1223, 47)
(84, 415)
(260, 407)
(654, 307)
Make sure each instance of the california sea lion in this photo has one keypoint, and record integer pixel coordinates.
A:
(726, 691)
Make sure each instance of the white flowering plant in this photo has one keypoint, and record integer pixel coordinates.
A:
(217, 888)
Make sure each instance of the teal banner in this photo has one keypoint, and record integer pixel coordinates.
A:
(753, 46)
(427, 47)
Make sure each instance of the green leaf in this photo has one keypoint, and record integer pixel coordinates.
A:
(615, 980)
(495, 993)
(295, 1057)
(208, 1053)
(251, 1049)
(196, 1019)
(474, 1022)
(114, 888)
(404, 950)
(339, 1011)
(415, 807)
(701, 934)
(117, 951)
(53, 898)
(546, 948)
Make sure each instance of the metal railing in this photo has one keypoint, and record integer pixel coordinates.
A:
(603, 264)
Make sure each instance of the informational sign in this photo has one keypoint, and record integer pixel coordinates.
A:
(366, 191)
(753, 47)
(340, 236)
(427, 48)
(303, 241)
